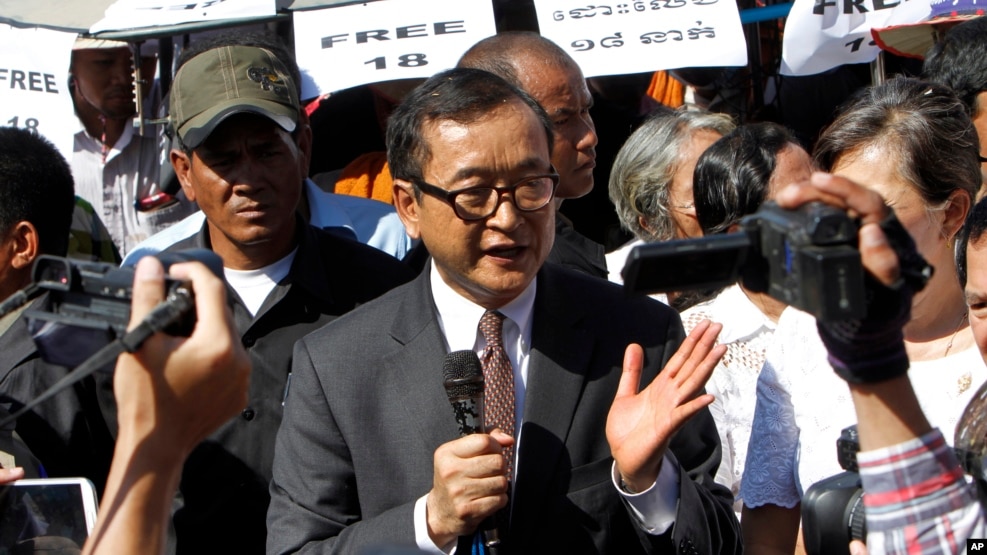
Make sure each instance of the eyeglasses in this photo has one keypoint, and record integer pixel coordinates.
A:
(475, 203)
(983, 160)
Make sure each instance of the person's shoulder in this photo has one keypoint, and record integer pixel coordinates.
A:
(598, 294)
(367, 321)
(170, 238)
(353, 257)
(373, 222)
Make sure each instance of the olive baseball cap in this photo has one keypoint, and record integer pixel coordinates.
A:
(228, 80)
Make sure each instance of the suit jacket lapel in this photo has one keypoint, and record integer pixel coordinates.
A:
(560, 349)
(413, 372)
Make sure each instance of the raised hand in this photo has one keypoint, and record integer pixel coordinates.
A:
(641, 423)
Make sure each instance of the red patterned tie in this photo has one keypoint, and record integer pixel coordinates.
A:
(499, 378)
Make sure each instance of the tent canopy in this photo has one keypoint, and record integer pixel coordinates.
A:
(78, 16)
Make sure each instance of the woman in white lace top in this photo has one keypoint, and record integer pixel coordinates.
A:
(898, 139)
(732, 179)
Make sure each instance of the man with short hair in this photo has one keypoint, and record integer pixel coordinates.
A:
(66, 433)
(116, 169)
(959, 61)
(368, 452)
(243, 154)
(542, 69)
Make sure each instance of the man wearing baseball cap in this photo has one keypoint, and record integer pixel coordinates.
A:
(242, 146)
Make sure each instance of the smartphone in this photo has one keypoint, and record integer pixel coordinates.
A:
(46, 514)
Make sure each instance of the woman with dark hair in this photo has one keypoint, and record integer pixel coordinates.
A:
(732, 179)
(914, 143)
(651, 181)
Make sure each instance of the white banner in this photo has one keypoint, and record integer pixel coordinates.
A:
(343, 47)
(645, 35)
(823, 34)
(34, 91)
(137, 14)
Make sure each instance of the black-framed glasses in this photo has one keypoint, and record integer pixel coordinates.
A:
(475, 203)
(983, 159)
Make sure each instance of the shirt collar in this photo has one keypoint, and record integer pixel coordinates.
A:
(124, 140)
(740, 317)
(460, 318)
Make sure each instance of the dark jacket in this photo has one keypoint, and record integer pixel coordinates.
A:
(223, 495)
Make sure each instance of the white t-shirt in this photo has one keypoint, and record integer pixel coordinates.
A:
(254, 286)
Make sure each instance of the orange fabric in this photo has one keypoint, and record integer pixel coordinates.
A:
(666, 89)
(368, 176)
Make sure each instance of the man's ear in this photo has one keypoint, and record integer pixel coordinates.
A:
(182, 165)
(24, 243)
(407, 207)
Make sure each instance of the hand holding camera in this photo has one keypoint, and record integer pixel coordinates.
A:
(870, 348)
(178, 389)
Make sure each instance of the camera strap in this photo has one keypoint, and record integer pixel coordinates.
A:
(166, 313)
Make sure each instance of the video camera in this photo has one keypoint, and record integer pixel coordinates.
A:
(89, 304)
(806, 258)
(833, 508)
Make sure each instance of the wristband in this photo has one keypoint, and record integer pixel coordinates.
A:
(872, 349)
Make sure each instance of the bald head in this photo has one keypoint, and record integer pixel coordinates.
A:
(502, 55)
(545, 71)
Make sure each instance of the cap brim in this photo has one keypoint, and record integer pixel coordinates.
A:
(89, 43)
(915, 39)
(197, 129)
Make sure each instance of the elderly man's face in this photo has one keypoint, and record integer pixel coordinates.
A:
(564, 95)
(247, 179)
(492, 260)
(104, 77)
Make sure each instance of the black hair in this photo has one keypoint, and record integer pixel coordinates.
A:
(732, 177)
(959, 61)
(972, 232)
(461, 95)
(923, 128)
(35, 186)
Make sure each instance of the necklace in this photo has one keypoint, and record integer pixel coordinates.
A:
(959, 326)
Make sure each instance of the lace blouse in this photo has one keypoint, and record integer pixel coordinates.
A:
(747, 332)
(802, 406)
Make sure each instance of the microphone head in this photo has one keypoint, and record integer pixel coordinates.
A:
(462, 375)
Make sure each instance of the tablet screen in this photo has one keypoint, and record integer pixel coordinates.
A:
(42, 516)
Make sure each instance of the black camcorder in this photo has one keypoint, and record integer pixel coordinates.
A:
(89, 304)
(833, 508)
(806, 258)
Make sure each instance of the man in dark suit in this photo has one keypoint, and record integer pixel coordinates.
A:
(368, 454)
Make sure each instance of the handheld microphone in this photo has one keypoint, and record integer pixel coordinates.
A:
(463, 380)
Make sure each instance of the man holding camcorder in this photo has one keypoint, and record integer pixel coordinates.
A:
(917, 498)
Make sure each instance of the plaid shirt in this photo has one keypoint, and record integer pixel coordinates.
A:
(918, 500)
